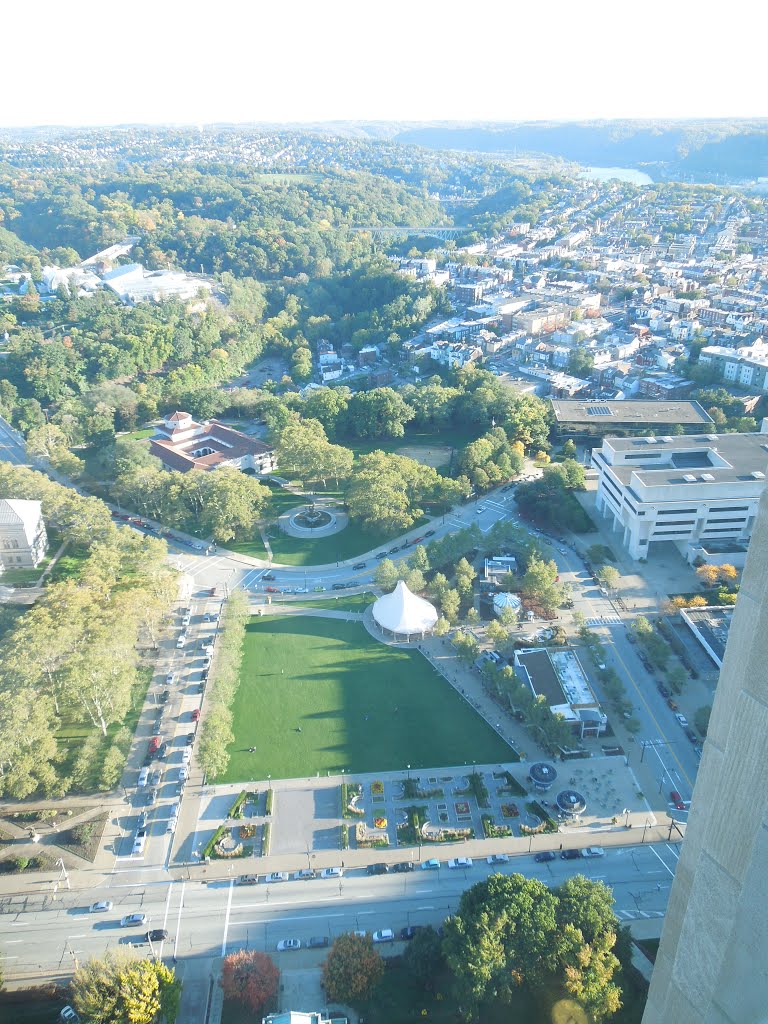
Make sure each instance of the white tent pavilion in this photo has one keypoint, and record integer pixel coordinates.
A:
(403, 614)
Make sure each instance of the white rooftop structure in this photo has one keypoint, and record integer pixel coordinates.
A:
(403, 614)
(505, 600)
(132, 283)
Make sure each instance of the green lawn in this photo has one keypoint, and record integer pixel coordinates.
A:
(337, 684)
(350, 603)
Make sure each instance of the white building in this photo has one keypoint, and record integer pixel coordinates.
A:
(685, 489)
(559, 678)
(133, 284)
(23, 540)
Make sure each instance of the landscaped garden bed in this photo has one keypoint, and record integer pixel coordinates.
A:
(494, 831)
(351, 794)
(83, 839)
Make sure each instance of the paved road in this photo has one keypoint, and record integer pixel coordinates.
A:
(211, 920)
(11, 445)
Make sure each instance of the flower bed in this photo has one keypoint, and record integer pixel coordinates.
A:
(462, 809)
(247, 831)
(494, 831)
(351, 793)
(510, 810)
(379, 822)
(369, 840)
(377, 788)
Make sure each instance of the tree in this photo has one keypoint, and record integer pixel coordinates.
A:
(386, 574)
(251, 978)
(381, 412)
(414, 580)
(466, 646)
(353, 969)
(473, 616)
(701, 718)
(540, 584)
(450, 603)
(419, 558)
(568, 450)
(423, 957)
(232, 502)
(708, 574)
(609, 576)
(384, 491)
(496, 632)
(118, 989)
(465, 574)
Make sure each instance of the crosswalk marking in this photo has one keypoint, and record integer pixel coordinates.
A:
(605, 620)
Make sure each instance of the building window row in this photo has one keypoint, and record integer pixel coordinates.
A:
(677, 512)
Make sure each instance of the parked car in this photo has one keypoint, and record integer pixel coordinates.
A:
(378, 869)
(157, 935)
(593, 851)
(268, 576)
(318, 942)
(305, 874)
(212, 591)
(101, 907)
(406, 934)
(677, 800)
(67, 1015)
(672, 705)
(170, 679)
(332, 872)
(430, 533)
(246, 880)
(183, 773)
(186, 755)
(132, 919)
(143, 820)
(339, 586)
(662, 690)
(181, 641)
(394, 550)
(272, 590)
(460, 862)
(287, 944)
(186, 620)
(384, 935)
(682, 720)
(359, 565)
(164, 696)
(276, 876)
(570, 855)
(196, 715)
(498, 858)
(691, 735)
(139, 842)
(544, 856)
(430, 865)
(381, 554)
(155, 743)
(405, 865)
(143, 777)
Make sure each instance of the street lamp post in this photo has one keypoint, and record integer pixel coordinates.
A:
(409, 772)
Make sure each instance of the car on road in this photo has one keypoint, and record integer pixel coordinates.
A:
(101, 907)
(155, 743)
(276, 876)
(460, 862)
(570, 855)
(143, 820)
(430, 533)
(132, 919)
(212, 591)
(143, 777)
(170, 679)
(186, 620)
(381, 554)
(157, 935)
(305, 874)
(378, 869)
(269, 576)
(672, 704)
(183, 773)
(662, 690)
(186, 755)
(246, 880)
(593, 851)
(284, 945)
(384, 935)
(677, 800)
(332, 872)
(417, 540)
(406, 934)
(181, 641)
(163, 698)
(359, 565)
(318, 942)
(544, 856)
(318, 590)
(287, 590)
(340, 586)
(682, 720)
(498, 858)
(196, 715)
(139, 842)
(394, 550)
(430, 865)
(691, 735)
(404, 865)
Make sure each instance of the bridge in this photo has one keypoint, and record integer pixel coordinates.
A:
(388, 231)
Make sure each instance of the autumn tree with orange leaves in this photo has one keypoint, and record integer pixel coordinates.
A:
(250, 978)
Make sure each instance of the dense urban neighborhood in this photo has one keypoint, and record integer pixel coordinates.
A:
(373, 516)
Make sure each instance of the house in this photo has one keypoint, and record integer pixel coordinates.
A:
(559, 678)
(182, 444)
(23, 540)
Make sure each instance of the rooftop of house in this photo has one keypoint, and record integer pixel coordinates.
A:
(636, 412)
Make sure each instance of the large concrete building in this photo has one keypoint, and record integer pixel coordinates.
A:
(687, 489)
(557, 676)
(23, 540)
(587, 418)
(712, 964)
(183, 444)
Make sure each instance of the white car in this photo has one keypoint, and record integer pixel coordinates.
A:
(186, 620)
(183, 773)
(682, 720)
(139, 842)
(593, 851)
(186, 756)
(286, 944)
(277, 876)
(101, 906)
(143, 777)
(181, 641)
(133, 919)
(332, 872)
(498, 858)
(384, 935)
(460, 862)
(170, 679)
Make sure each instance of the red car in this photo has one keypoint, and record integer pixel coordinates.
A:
(272, 590)
(672, 704)
(677, 800)
(154, 744)
(196, 714)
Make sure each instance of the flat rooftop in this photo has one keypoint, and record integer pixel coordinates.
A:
(703, 459)
(632, 413)
(710, 626)
(555, 675)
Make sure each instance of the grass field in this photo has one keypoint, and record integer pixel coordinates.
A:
(337, 684)
(351, 603)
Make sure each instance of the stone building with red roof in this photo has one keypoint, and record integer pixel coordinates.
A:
(182, 444)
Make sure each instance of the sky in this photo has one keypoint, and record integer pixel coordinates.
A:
(189, 62)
